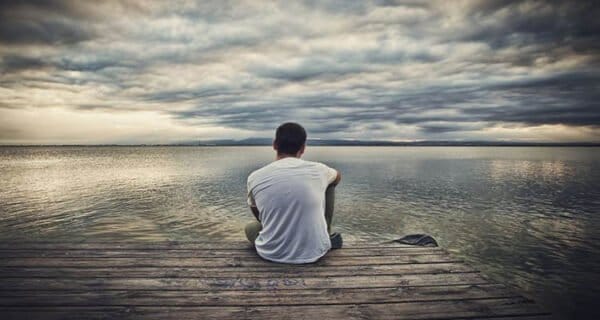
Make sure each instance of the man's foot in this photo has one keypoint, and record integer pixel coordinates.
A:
(336, 240)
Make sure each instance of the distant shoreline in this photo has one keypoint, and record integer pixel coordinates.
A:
(325, 144)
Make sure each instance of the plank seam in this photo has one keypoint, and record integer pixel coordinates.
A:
(254, 289)
(237, 277)
(269, 305)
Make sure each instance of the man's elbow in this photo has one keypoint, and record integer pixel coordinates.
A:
(338, 178)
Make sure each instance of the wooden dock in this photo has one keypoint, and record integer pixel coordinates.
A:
(184, 280)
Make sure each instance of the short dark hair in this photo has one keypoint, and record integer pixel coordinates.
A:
(289, 138)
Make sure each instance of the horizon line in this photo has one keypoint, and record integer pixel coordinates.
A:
(320, 142)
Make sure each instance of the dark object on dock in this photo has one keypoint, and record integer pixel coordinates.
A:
(227, 280)
(418, 240)
(336, 240)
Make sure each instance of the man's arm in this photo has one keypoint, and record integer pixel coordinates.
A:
(252, 205)
(254, 210)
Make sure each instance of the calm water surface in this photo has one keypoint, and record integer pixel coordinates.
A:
(529, 217)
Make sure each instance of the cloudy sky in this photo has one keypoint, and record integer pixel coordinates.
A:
(161, 72)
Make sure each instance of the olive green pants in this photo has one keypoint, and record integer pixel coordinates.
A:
(253, 228)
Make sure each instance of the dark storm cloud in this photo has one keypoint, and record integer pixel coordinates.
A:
(191, 95)
(582, 115)
(306, 71)
(384, 69)
(571, 99)
(43, 22)
(551, 23)
(15, 63)
(40, 32)
(340, 65)
(440, 128)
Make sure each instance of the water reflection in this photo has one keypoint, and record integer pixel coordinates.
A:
(524, 215)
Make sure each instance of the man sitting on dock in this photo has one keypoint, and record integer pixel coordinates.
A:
(292, 199)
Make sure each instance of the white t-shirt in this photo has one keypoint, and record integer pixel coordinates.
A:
(290, 196)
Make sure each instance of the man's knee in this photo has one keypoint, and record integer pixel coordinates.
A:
(252, 229)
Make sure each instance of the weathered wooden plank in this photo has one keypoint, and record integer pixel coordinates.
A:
(410, 310)
(253, 297)
(216, 262)
(255, 272)
(173, 245)
(240, 283)
(202, 253)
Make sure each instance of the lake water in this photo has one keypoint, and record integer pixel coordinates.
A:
(526, 216)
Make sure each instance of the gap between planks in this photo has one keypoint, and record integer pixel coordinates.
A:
(271, 271)
(217, 261)
(257, 297)
(174, 245)
(201, 253)
(239, 283)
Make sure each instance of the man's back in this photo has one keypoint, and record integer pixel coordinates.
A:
(290, 197)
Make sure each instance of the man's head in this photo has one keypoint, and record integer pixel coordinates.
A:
(290, 140)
